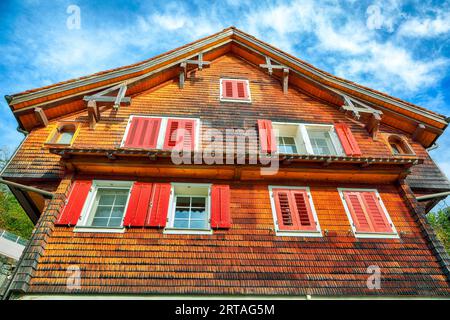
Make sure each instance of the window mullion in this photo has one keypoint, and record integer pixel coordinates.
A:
(306, 140)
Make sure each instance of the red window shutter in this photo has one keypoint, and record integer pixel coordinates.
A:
(286, 217)
(159, 205)
(227, 89)
(220, 207)
(347, 139)
(138, 205)
(235, 89)
(267, 138)
(302, 208)
(379, 220)
(356, 205)
(143, 133)
(75, 202)
(180, 134)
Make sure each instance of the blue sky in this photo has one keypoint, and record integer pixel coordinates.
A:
(399, 47)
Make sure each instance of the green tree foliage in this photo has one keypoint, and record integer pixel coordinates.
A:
(12, 216)
(441, 223)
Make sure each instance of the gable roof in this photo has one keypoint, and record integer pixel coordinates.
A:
(248, 47)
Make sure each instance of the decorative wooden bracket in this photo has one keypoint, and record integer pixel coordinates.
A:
(40, 115)
(269, 66)
(418, 132)
(183, 67)
(103, 97)
(116, 100)
(373, 125)
(93, 113)
(285, 80)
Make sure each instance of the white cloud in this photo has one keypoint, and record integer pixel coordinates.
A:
(426, 27)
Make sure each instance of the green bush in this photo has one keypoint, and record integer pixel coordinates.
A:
(441, 223)
(12, 216)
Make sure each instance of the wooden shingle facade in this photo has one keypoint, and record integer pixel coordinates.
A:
(342, 202)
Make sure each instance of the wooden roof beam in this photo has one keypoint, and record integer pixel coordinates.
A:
(270, 67)
(373, 125)
(418, 132)
(93, 113)
(40, 116)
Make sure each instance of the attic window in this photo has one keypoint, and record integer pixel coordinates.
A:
(63, 134)
(399, 146)
(234, 90)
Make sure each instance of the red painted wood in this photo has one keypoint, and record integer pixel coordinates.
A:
(75, 202)
(180, 134)
(348, 141)
(378, 217)
(143, 133)
(267, 139)
(138, 205)
(301, 207)
(235, 89)
(286, 217)
(361, 220)
(220, 207)
(159, 205)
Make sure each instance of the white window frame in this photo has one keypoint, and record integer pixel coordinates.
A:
(368, 235)
(247, 83)
(293, 233)
(169, 229)
(302, 127)
(86, 212)
(162, 130)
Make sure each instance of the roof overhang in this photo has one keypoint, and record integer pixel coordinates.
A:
(51, 96)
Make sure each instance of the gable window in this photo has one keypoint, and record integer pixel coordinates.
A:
(293, 212)
(314, 139)
(234, 90)
(63, 134)
(105, 205)
(367, 214)
(190, 209)
(287, 145)
(399, 146)
(146, 132)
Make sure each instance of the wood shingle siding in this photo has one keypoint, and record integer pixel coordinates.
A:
(248, 258)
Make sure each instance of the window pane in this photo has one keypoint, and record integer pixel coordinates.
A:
(321, 142)
(181, 213)
(115, 222)
(121, 200)
(103, 211)
(109, 207)
(198, 224)
(100, 222)
(190, 213)
(198, 214)
(198, 202)
(286, 145)
(105, 199)
(183, 201)
(117, 212)
(184, 224)
(65, 137)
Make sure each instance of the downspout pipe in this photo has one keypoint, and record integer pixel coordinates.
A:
(432, 196)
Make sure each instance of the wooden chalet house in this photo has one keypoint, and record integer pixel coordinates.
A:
(115, 215)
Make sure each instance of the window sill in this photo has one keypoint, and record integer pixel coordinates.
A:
(316, 233)
(373, 235)
(187, 231)
(99, 229)
(235, 100)
(51, 144)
